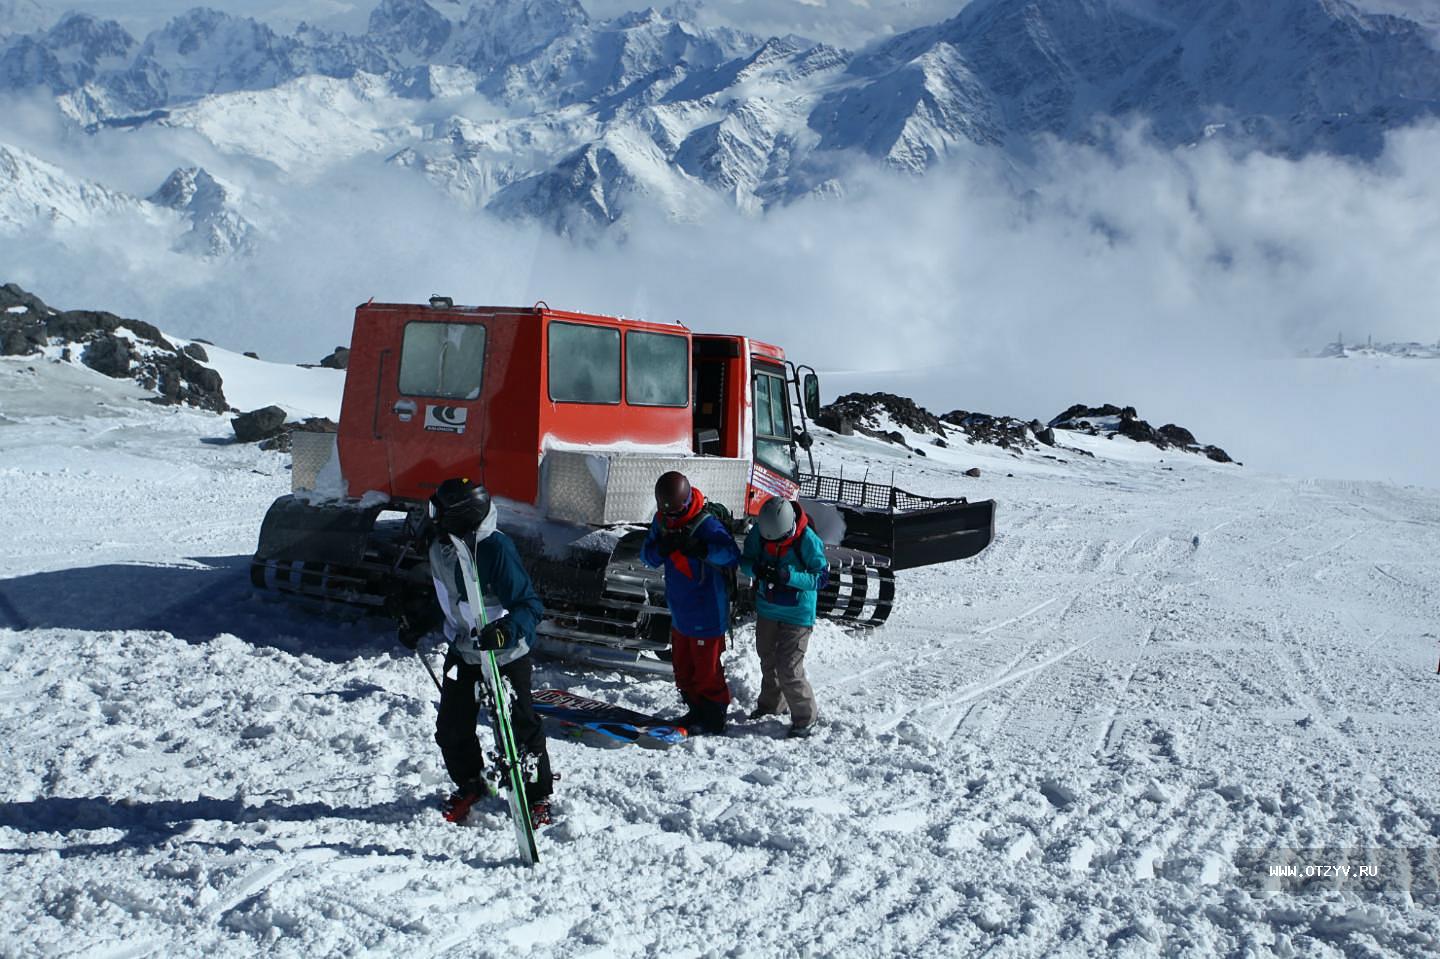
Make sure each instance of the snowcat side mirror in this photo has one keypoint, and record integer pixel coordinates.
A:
(438, 302)
(811, 388)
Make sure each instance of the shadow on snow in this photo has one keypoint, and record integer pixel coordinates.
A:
(152, 824)
(193, 603)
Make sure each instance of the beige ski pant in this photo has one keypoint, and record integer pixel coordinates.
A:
(782, 670)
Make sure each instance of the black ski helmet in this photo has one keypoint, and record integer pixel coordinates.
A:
(672, 493)
(459, 506)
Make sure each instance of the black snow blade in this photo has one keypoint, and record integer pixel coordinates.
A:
(921, 537)
(323, 534)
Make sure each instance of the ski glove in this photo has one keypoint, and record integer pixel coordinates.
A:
(670, 541)
(694, 548)
(494, 636)
(772, 573)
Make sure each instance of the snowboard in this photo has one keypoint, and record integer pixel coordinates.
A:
(582, 716)
(498, 706)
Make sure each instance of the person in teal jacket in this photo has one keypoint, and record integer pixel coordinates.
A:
(786, 558)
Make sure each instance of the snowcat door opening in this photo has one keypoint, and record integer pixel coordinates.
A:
(428, 411)
(716, 422)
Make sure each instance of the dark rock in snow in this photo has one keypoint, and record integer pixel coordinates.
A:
(1006, 432)
(196, 352)
(282, 442)
(1217, 454)
(253, 356)
(258, 424)
(1110, 420)
(109, 354)
(1141, 431)
(973, 471)
(1176, 435)
(338, 360)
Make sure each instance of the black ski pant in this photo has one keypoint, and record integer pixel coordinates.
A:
(459, 710)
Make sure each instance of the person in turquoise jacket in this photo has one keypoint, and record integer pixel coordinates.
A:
(786, 558)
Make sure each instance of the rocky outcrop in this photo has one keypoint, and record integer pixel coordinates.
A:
(338, 360)
(876, 414)
(115, 346)
(1110, 420)
(1006, 432)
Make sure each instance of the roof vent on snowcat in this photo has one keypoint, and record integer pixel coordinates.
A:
(438, 302)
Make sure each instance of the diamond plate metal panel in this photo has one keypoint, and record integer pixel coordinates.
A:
(309, 452)
(605, 488)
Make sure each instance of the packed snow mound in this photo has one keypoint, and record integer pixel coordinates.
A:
(1110, 421)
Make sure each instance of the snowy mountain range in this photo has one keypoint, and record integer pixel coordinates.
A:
(592, 118)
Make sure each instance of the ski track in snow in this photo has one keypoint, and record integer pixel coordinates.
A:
(1055, 748)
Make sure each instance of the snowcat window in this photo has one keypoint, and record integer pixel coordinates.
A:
(772, 424)
(442, 359)
(584, 363)
(657, 369)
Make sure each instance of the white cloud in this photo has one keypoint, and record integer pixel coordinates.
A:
(1175, 281)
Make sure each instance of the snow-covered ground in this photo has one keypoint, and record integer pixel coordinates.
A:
(1056, 748)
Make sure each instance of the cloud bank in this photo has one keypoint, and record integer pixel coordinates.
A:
(1182, 282)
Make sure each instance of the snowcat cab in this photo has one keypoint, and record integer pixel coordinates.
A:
(569, 418)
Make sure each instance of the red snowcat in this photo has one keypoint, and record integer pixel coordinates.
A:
(568, 419)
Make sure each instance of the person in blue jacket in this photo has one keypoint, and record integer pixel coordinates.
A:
(695, 548)
(786, 559)
(512, 611)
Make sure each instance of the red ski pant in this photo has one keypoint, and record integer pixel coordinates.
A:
(698, 672)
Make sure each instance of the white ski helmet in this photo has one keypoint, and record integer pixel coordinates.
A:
(776, 519)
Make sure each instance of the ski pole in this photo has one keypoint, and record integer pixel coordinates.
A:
(429, 669)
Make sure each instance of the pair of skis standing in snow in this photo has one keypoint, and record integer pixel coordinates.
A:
(490, 610)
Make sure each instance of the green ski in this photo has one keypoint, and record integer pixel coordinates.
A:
(511, 770)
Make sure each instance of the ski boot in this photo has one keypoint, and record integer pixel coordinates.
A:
(457, 805)
(540, 814)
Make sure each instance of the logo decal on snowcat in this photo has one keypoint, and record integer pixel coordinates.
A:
(445, 419)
